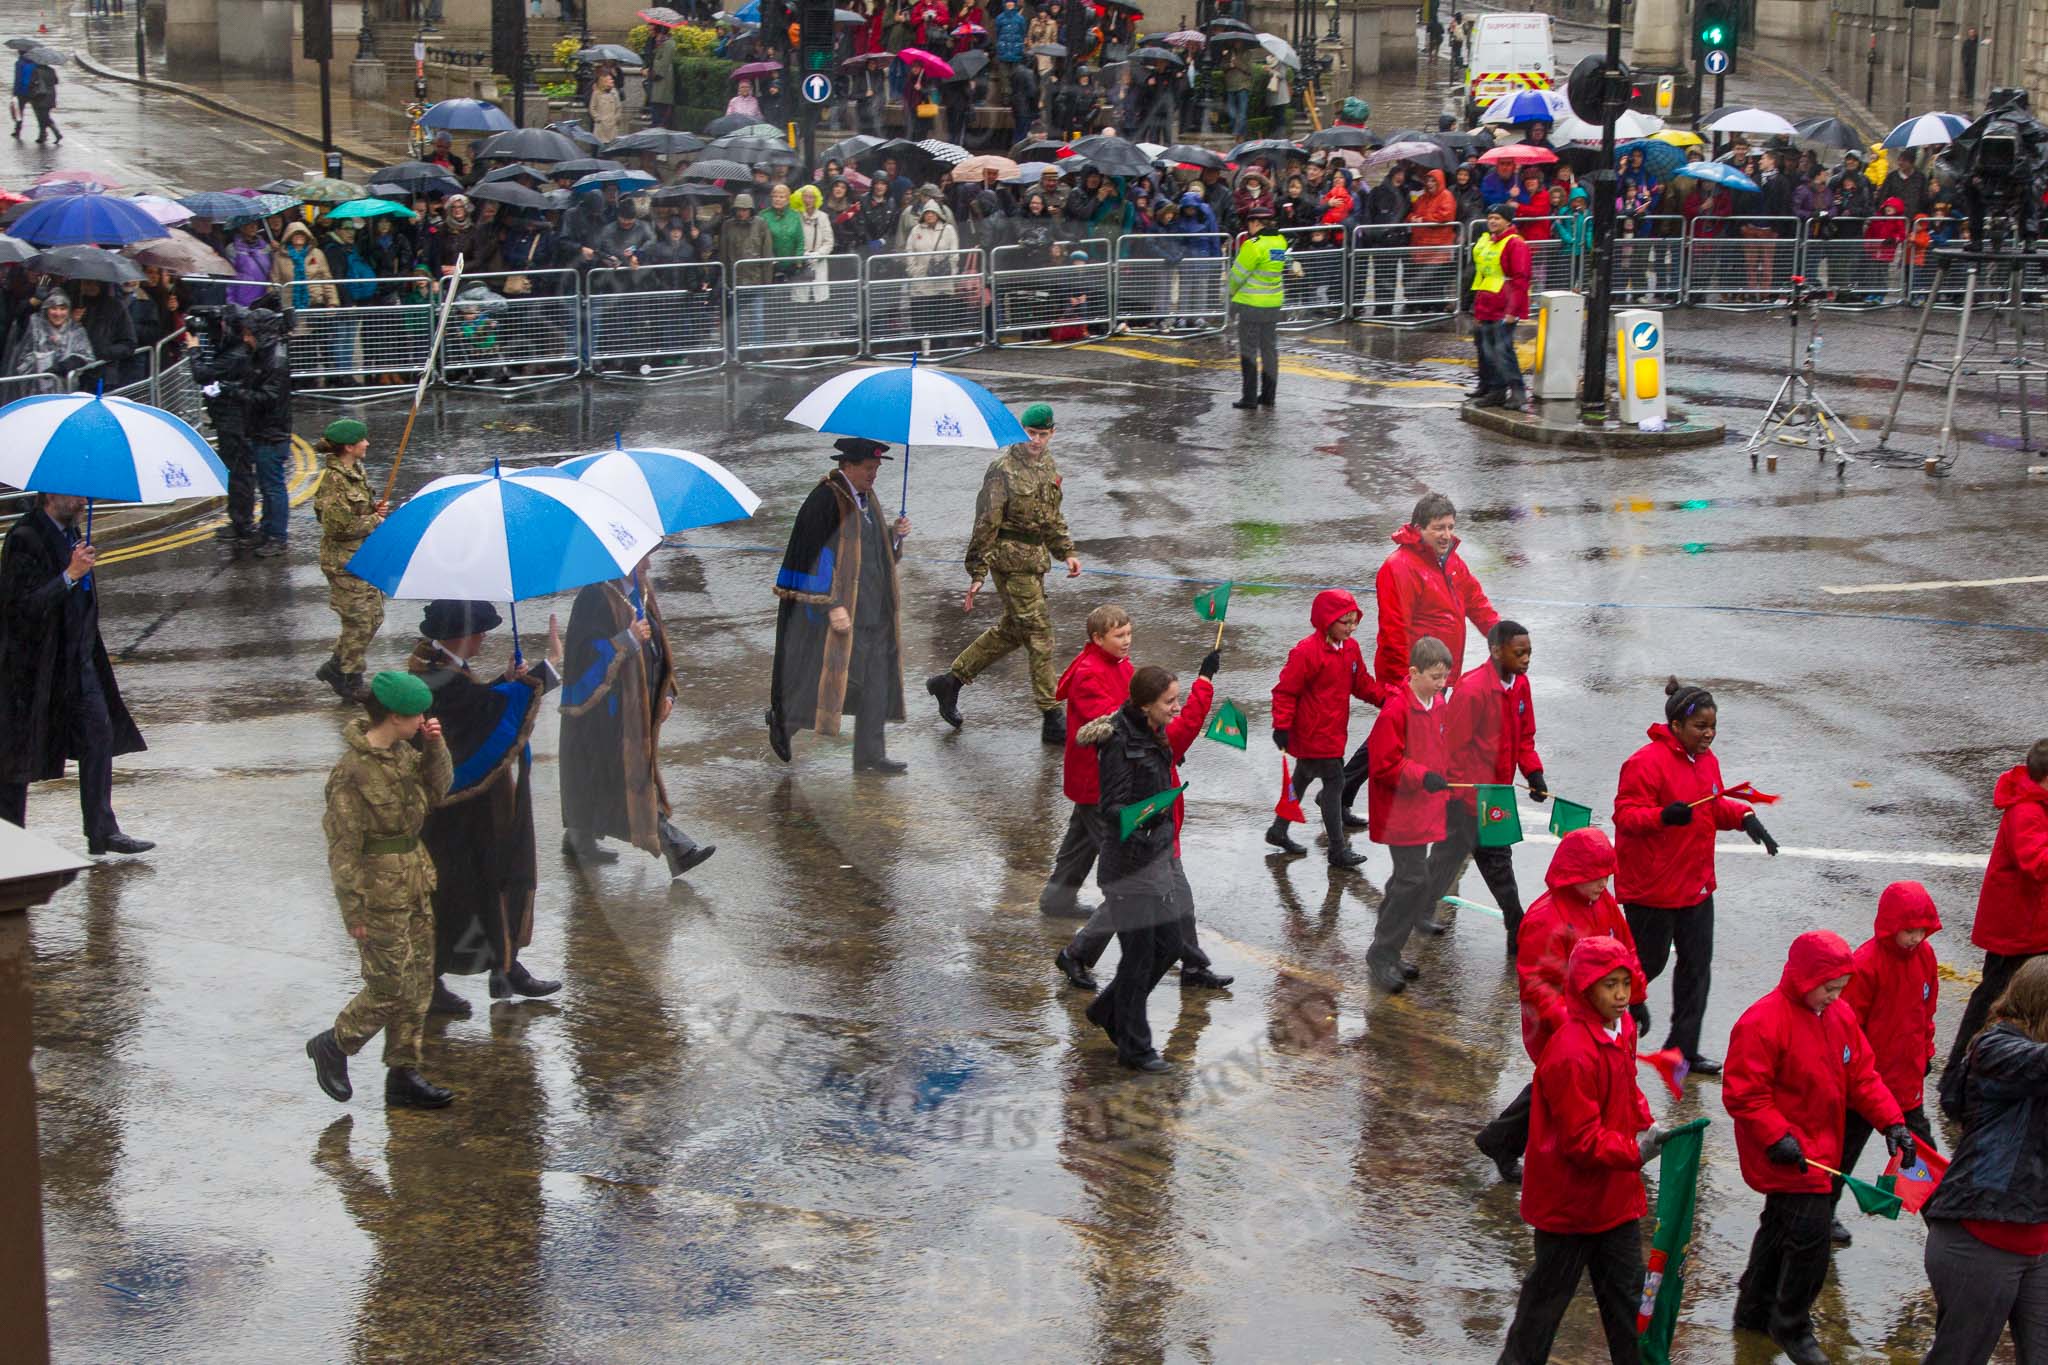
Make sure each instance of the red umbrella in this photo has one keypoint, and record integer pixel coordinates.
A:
(925, 61)
(752, 69)
(1518, 151)
(77, 178)
(970, 29)
(662, 17)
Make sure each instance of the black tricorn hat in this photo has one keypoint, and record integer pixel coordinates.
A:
(859, 448)
(445, 619)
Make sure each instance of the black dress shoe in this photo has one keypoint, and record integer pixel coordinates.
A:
(1488, 400)
(1276, 835)
(1390, 979)
(1356, 821)
(1800, 1348)
(682, 858)
(1066, 910)
(946, 688)
(1409, 971)
(880, 765)
(1052, 726)
(1245, 404)
(405, 1088)
(1071, 967)
(330, 1065)
(118, 842)
(1151, 1061)
(778, 737)
(447, 1002)
(1205, 978)
(1346, 857)
(581, 845)
(1703, 1066)
(519, 981)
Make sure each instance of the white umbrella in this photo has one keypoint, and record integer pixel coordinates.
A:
(1280, 49)
(1760, 121)
(1572, 131)
(1926, 130)
(93, 447)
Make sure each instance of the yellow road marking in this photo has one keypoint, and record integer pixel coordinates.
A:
(305, 478)
(1286, 367)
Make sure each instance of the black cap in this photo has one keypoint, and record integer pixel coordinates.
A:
(445, 619)
(859, 448)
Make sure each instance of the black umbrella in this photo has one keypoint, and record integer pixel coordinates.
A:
(1127, 6)
(1159, 54)
(754, 151)
(714, 169)
(1829, 132)
(279, 187)
(528, 144)
(24, 44)
(728, 123)
(660, 141)
(1268, 146)
(584, 165)
(1046, 50)
(1036, 149)
(575, 132)
(418, 177)
(966, 66)
(610, 52)
(670, 194)
(517, 170)
(14, 251)
(1230, 37)
(86, 263)
(1186, 154)
(510, 195)
(1220, 25)
(47, 56)
(849, 149)
(1340, 137)
(1114, 155)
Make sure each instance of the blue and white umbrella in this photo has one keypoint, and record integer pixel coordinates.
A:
(629, 182)
(87, 220)
(676, 490)
(1526, 106)
(88, 446)
(491, 538)
(1925, 130)
(1716, 172)
(908, 405)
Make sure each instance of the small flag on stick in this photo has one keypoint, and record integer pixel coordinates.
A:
(1228, 725)
(1671, 1068)
(1869, 1198)
(1678, 1178)
(1288, 807)
(1500, 823)
(1135, 814)
(1566, 816)
(1914, 1184)
(1213, 605)
(1743, 791)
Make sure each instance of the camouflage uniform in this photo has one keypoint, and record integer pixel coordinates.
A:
(377, 799)
(347, 510)
(1019, 533)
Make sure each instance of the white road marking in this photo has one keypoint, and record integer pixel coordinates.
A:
(1935, 587)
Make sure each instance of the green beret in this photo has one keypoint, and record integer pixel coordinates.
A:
(401, 693)
(1037, 415)
(346, 432)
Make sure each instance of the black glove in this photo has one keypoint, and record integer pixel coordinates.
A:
(1899, 1139)
(1754, 828)
(1539, 790)
(1677, 813)
(1280, 740)
(1211, 662)
(1434, 782)
(1785, 1152)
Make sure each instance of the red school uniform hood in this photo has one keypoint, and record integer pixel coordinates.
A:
(1814, 958)
(1905, 905)
(1331, 605)
(2014, 787)
(1593, 957)
(1581, 856)
(1091, 656)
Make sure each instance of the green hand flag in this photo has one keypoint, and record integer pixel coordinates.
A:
(1500, 823)
(1566, 816)
(1214, 604)
(1678, 1192)
(1135, 814)
(1885, 1203)
(1228, 726)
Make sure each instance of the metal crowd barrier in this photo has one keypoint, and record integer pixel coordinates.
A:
(521, 328)
(924, 302)
(1649, 266)
(1172, 278)
(1051, 297)
(1726, 269)
(1317, 296)
(353, 348)
(1860, 270)
(1551, 266)
(1395, 283)
(794, 313)
(656, 322)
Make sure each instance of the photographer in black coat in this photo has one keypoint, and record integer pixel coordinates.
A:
(220, 376)
(265, 392)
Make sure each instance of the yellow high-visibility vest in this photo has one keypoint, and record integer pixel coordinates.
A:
(1255, 275)
(1487, 276)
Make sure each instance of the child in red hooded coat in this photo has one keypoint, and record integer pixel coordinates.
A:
(1312, 716)
(1590, 1132)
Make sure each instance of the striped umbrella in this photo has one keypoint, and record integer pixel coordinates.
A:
(1925, 130)
(90, 446)
(677, 490)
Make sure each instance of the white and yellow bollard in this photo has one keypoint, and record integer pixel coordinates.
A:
(1560, 343)
(1639, 364)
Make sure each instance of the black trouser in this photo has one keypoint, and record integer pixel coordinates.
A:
(1091, 940)
(1074, 861)
(89, 739)
(1998, 970)
(1615, 1257)
(1329, 797)
(1656, 930)
(1508, 1134)
(1496, 865)
(1148, 931)
(240, 459)
(869, 683)
(1406, 900)
(1258, 342)
(45, 125)
(1788, 1263)
(1355, 773)
(1856, 1131)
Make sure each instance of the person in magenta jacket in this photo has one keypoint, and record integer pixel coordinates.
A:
(2012, 905)
(1493, 737)
(1312, 716)
(1423, 588)
(1666, 812)
(1893, 994)
(1405, 799)
(1590, 1132)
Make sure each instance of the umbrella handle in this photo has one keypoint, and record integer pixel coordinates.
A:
(518, 659)
(86, 582)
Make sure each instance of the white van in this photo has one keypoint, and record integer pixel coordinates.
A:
(1508, 52)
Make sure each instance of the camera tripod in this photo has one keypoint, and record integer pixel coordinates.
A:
(1798, 415)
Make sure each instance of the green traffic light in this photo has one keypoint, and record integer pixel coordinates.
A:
(1713, 35)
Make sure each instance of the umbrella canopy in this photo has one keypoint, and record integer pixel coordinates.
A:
(1760, 121)
(749, 70)
(180, 253)
(1678, 137)
(1225, 25)
(1057, 50)
(466, 116)
(584, 165)
(57, 187)
(528, 144)
(1031, 173)
(1925, 130)
(755, 151)
(967, 65)
(585, 140)
(698, 191)
(86, 220)
(323, 189)
(1271, 146)
(82, 179)
(908, 404)
(1224, 39)
(610, 52)
(627, 181)
(510, 194)
(281, 186)
(727, 124)
(1660, 159)
(1159, 54)
(47, 56)
(86, 446)
(419, 176)
(1717, 173)
(1187, 154)
(945, 153)
(1519, 151)
(1280, 50)
(14, 251)
(659, 141)
(1526, 106)
(223, 207)
(974, 167)
(1037, 149)
(1339, 137)
(24, 44)
(847, 149)
(712, 168)
(925, 61)
(370, 208)
(517, 173)
(1187, 37)
(86, 263)
(165, 211)
(1421, 153)
(1114, 155)
(500, 539)
(676, 490)
(1571, 130)
(1828, 132)
(661, 16)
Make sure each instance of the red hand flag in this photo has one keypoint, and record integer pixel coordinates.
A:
(1671, 1068)
(1743, 791)
(1915, 1184)
(1288, 807)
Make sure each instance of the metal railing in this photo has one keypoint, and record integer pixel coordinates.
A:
(357, 346)
(656, 322)
(794, 313)
(520, 328)
(1175, 278)
(1859, 267)
(1317, 296)
(1395, 283)
(1726, 268)
(1649, 266)
(1052, 297)
(924, 302)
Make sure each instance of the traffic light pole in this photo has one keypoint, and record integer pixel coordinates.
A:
(1600, 292)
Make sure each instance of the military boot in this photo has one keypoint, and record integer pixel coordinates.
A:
(445, 1001)
(682, 852)
(1052, 726)
(1250, 366)
(946, 688)
(330, 1065)
(405, 1088)
(331, 674)
(358, 691)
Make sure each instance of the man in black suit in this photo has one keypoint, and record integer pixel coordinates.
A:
(58, 698)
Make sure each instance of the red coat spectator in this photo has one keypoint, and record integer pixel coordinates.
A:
(1532, 220)
(1312, 699)
(1883, 234)
(1554, 925)
(1408, 741)
(1425, 592)
(1094, 685)
(1894, 991)
(1493, 728)
(1669, 866)
(2012, 907)
(1435, 214)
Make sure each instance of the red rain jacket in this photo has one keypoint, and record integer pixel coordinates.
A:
(1668, 866)
(1420, 597)
(1555, 924)
(1893, 992)
(1493, 728)
(1094, 685)
(1182, 731)
(2012, 909)
(1407, 741)
(1312, 700)
(1582, 1170)
(1790, 1070)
